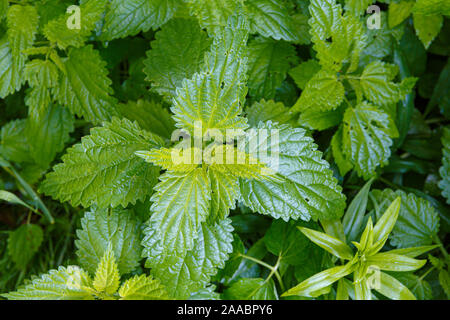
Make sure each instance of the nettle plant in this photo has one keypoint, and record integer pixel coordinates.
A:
(170, 176)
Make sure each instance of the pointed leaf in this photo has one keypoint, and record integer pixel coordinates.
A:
(329, 243)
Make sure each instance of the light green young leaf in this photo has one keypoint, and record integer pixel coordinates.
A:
(185, 274)
(268, 110)
(417, 223)
(177, 53)
(393, 289)
(251, 289)
(103, 169)
(150, 115)
(367, 137)
(181, 202)
(215, 96)
(444, 170)
(329, 243)
(268, 64)
(85, 87)
(224, 192)
(303, 187)
(71, 283)
(337, 39)
(128, 18)
(270, 18)
(100, 227)
(427, 27)
(23, 243)
(142, 288)
(57, 30)
(107, 276)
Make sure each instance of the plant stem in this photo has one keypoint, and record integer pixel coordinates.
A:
(273, 270)
(268, 266)
(441, 246)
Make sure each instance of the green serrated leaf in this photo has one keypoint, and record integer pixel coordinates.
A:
(270, 18)
(268, 110)
(427, 27)
(103, 168)
(215, 96)
(304, 72)
(128, 18)
(417, 223)
(22, 24)
(357, 7)
(13, 142)
(187, 273)
(47, 132)
(268, 64)
(23, 243)
(71, 283)
(181, 202)
(430, 7)
(367, 137)
(212, 14)
(100, 227)
(177, 53)
(418, 286)
(57, 30)
(85, 87)
(323, 92)
(398, 12)
(377, 84)
(303, 186)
